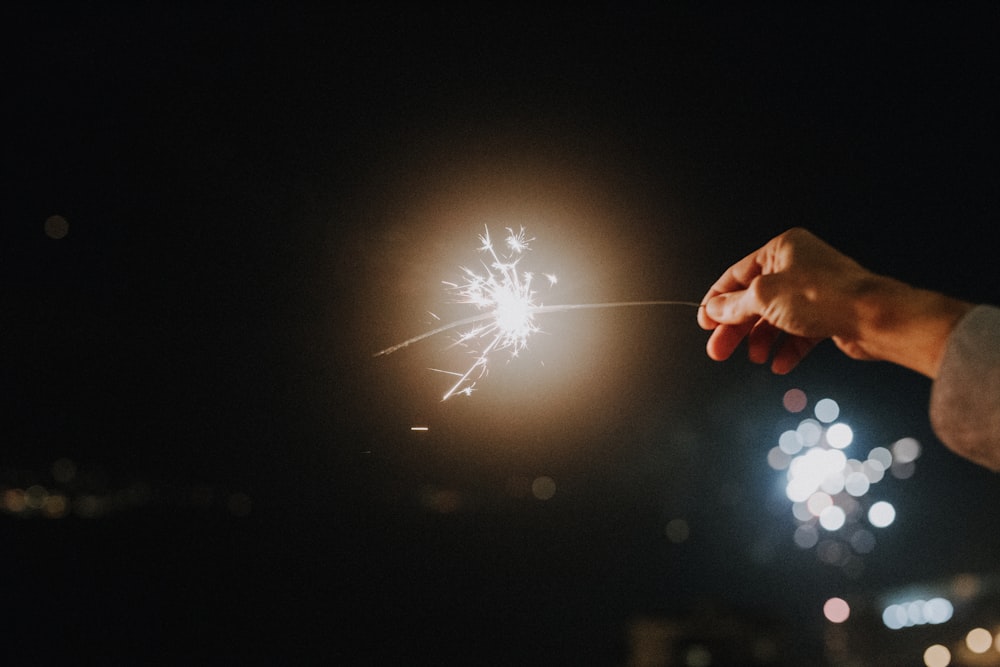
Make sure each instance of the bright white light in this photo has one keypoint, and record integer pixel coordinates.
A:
(810, 431)
(857, 484)
(882, 455)
(790, 442)
(894, 617)
(832, 518)
(881, 514)
(917, 612)
(818, 502)
(807, 472)
(979, 640)
(839, 435)
(906, 450)
(873, 470)
(938, 610)
(826, 410)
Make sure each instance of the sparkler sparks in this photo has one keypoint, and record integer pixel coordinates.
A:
(504, 297)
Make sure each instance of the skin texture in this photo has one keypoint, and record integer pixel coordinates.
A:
(797, 290)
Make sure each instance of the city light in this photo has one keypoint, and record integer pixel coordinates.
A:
(830, 490)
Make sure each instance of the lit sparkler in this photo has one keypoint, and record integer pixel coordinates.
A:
(504, 297)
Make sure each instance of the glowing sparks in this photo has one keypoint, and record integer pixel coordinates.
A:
(504, 297)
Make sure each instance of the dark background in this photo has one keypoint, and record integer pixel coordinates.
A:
(260, 197)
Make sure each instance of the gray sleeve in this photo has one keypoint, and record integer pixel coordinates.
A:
(965, 397)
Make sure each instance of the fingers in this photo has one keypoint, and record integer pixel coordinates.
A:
(734, 282)
(725, 339)
(792, 350)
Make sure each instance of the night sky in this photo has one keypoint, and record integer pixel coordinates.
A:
(254, 199)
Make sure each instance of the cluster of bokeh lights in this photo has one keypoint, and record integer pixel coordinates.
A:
(830, 492)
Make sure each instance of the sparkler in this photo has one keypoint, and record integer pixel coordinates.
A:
(504, 297)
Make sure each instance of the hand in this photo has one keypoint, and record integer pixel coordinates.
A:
(797, 290)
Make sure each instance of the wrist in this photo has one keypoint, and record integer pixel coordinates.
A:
(906, 325)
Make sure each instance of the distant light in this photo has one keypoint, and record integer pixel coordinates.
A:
(698, 656)
(678, 531)
(918, 612)
(806, 537)
(818, 502)
(790, 442)
(938, 610)
(873, 470)
(794, 400)
(419, 428)
(881, 455)
(543, 488)
(777, 459)
(937, 656)
(979, 640)
(857, 484)
(56, 227)
(826, 410)
(839, 435)
(906, 450)
(894, 617)
(836, 610)
(832, 518)
(862, 541)
(902, 470)
(810, 431)
(881, 514)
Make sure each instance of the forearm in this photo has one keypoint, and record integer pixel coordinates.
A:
(902, 324)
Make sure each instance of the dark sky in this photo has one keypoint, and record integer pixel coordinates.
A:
(260, 197)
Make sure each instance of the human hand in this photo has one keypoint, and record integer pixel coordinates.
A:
(797, 290)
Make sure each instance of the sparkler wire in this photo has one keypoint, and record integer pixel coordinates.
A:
(505, 298)
(532, 310)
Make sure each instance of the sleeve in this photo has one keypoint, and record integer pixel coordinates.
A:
(965, 397)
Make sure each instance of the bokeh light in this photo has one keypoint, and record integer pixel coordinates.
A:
(979, 640)
(826, 410)
(543, 488)
(56, 227)
(830, 490)
(836, 610)
(795, 400)
(881, 514)
(917, 612)
(937, 656)
(678, 531)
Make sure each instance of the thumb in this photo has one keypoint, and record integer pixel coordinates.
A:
(731, 308)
